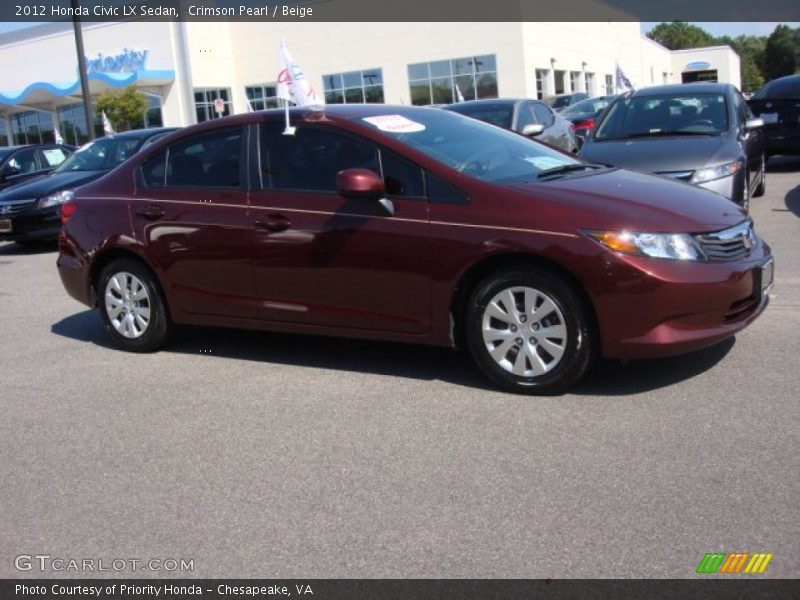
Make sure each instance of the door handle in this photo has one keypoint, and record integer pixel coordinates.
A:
(274, 223)
(150, 212)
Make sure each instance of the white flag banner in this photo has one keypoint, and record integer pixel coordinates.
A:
(293, 83)
(57, 134)
(459, 95)
(107, 128)
(622, 83)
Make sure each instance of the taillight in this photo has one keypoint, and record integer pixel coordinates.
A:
(67, 210)
(587, 124)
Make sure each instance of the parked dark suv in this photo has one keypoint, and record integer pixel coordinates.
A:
(778, 105)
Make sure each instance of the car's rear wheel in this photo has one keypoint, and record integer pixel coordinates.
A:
(761, 188)
(131, 306)
(529, 331)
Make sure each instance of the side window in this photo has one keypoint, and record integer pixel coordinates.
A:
(52, 157)
(24, 161)
(441, 192)
(401, 177)
(205, 160)
(741, 108)
(154, 170)
(525, 116)
(543, 114)
(311, 158)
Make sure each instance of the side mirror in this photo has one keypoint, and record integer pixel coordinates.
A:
(532, 129)
(363, 183)
(751, 124)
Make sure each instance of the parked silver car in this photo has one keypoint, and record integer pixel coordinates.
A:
(531, 118)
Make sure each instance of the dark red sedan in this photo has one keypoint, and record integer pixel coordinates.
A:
(414, 225)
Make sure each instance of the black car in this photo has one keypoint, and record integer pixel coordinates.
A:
(528, 117)
(778, 105)
(30, 211)
(703, 134)
(584, 114)
(20, 163)
(562, 101)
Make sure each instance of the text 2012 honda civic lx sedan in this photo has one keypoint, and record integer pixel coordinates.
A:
(414, 225)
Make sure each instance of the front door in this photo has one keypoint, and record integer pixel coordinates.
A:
(323, 259)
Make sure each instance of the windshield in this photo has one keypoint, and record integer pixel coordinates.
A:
(494, 113)
(470, 146)
(592, 105)
(101, 155)
(672, 114)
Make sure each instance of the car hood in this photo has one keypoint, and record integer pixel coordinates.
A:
(617, 199)
(657, 155)
(49, 184)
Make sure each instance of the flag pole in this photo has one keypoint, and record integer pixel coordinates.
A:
(289, 129)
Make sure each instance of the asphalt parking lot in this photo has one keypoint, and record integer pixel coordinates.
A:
(285, 456)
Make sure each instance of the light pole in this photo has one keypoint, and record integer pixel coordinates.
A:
(87, 99)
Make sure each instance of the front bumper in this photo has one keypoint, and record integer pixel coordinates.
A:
(41, 225)
(661, 308)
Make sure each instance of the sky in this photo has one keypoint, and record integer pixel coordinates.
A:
(716, 29)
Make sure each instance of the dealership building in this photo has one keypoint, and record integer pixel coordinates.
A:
(195, 71)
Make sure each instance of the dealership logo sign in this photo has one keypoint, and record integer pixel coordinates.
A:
(698, 64)
(127, 61)
(731, 564)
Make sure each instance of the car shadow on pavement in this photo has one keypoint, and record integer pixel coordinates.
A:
(10, 249)
(792, 200)
(610, 378)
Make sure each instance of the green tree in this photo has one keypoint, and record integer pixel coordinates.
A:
(679, 35)
(780, 53)
(123, 108)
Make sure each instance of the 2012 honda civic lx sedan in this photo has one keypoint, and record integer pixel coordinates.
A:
(414, 225)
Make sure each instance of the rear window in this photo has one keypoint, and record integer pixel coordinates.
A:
(496, 114)
(780, 89)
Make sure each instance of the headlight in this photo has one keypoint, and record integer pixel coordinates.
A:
(711, 173)
(55, 199)
(677, 246)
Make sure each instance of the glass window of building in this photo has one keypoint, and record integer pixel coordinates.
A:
(559, 78)
(590, 84)
(541, 83)
(439, 82)
(72, 124)
(3, 132)
(354, 87)
(204, 103)
(262, 96)
(609, 85)
(32, 127)
(575, 81)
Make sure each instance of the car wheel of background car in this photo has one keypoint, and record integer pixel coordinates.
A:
(761, 188)
(529, 331)
(131, 306)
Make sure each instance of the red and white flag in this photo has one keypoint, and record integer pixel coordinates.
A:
(293, 84)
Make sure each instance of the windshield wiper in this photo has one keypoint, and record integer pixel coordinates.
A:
(563, 169)
(666, 133)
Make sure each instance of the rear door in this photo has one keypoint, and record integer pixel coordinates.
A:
(191, 214)
(326, 260)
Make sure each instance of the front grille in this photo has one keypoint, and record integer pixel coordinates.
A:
(13, 207)
(728, 244)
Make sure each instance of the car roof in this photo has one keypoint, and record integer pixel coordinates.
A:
(682, 88)
(488, 101)
(140, 132)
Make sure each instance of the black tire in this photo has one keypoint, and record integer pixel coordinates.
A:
(761, 188)
(158, 329)
(579, 347)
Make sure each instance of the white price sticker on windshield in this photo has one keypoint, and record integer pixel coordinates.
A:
(395, 124)
(545, 162)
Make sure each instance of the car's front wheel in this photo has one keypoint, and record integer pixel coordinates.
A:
(529, 331)
(131, 306)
